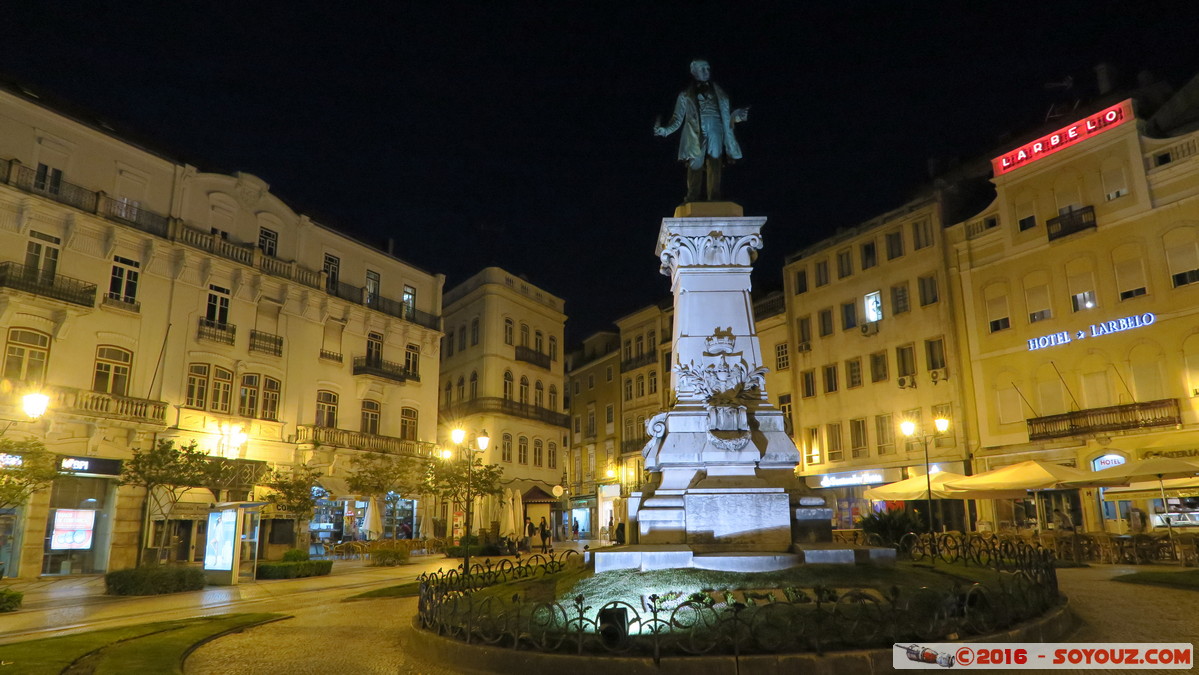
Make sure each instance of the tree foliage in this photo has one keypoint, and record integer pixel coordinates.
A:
(291, 494)
(37, 469)
(167, 473)
(449, 480)
(384, 477)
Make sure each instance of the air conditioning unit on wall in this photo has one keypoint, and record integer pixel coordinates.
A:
(869, 328)
(805, 346)
(907, 381)
(938, 374)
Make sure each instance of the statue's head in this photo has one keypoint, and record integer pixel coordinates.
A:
(700, 70)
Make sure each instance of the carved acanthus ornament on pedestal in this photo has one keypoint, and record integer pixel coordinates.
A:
(714, 249)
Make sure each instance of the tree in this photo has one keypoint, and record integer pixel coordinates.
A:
(461, 484)
(167, 473)
(35, 470)
(292, 495)
(384, 477)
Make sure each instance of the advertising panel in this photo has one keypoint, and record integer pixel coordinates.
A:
(222, 537)
(73, 529)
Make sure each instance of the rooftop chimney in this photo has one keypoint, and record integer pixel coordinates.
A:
(1103, 77)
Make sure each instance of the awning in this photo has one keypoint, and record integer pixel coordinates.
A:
(1176, 487)
(536, 495)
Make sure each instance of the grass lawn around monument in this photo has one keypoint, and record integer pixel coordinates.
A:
(143, 648)
(1187, 580)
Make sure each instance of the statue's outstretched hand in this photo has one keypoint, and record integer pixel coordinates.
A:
(741, 114)
(658, 129)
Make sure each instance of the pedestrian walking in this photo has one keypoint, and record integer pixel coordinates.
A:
(544, 528)
(574, 529)
(530, 532)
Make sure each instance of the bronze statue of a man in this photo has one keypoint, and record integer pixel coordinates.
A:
(707, 139)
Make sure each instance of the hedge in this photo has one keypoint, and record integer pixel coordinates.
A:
(154, 580)
(10, 600)
(389, 557)
(294, 570)
(294, 555)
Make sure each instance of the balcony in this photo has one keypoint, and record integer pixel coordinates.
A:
(633, 445)
(1069, 223)
(59, 190)
(639, 361)
(47, 284)
(505, 406)
(360, 441)
(1130, 416)
(100, 404)
(388, 370)
(130, 213)
(530, 355)
(266, 343)
(216, 331)
(121, 302)
(360, 296)
(330, 356)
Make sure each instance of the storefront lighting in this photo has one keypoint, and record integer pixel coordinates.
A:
(34, 405)
(233, 437)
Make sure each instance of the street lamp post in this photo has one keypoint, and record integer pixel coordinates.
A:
(33, 405)
(908, 428)
(482, 440)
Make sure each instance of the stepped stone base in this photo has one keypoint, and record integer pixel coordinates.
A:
(839, 554)
(645, 557)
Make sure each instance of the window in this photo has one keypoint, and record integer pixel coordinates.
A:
(524, 335)
(997, 314)
(538, 452)
(905, 360)
(522, 450)
(332, 269)
(884, 435)
(508, 331)
(640, 386)
(899, 298)
(628, 428)
(374, 348)
(47, 179)
(508, 383)
(808, 381)
(1182, 257)
(782, 360)
(1037, 298)
(833, 442)
(409, 300)
(524, 390)
(222, 389)
(1130, 276)
(449, 344)
(826, 322)
(943, 439)
(553, 397)
(370, 417)
(474, 385)
(408, 423)
(628, 349)
(813, 446)
(591, 380)
(922, 234)
(474, 331)
(270, 398)
(652, 339)
(41, 255)
(449, 393)
(462, 338)
(461, 388)
(506, 447)
(653, 381)
(1026, 217)
(878, 367)
(608, 374)
(578, 424)
(803, 327)
(849, 315)
(373, 285)
(928, 290)
(26, 356)
(553, 348)
(894, 242)
(822, 273)
(785, 408)
(247, 395)
(913, 443)
(934, 353)
(539, 342)
(1115, 185)
(859, 444)
(217, 312)
(640, 343)
(872, 304)
(844, 263)
(576, 386)
(197, 385)
(853, 373)
(268, 241)
(628, 389)
(412, 360)
(609, 414)
(590, 421)
(830, 379)
(112, 370)
(869, 255)
(801, 281)
(538, 395)
(122, 286)
(553, 456)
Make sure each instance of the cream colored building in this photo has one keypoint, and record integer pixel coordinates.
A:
(1081, 301)
(502, 372)
(594, 481)
(152, 300)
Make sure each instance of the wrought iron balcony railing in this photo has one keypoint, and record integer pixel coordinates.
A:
(134, 215)
(1069, 223)
(530, 355)
(267, 343)
(55, 188)
(639, 361)
(365, 365)
(1163, 413)
(48, 284)
(632, 445)
(359, 441)
(505, 406)
(330, 356)
(216, 331)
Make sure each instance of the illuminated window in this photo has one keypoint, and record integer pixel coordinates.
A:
(326, 409)
(409, 302)
(814, 455)
(408, 424)
(873, 306)
(222, 389)
(247, 395)
(197, 385)
(370, 417)
(506, 448)
(112, 370)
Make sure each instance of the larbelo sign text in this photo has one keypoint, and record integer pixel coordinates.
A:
(854, 478)
(1095, 330)
(1064, 137)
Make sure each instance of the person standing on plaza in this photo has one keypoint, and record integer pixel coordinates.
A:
(530, 531)
(574, 529)
(544, 529)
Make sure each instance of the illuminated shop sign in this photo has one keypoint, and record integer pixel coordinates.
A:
(73, 529)
(851, 478)
(1095, 330)
(1174, 454)
(1106, 462)
(1064, 137)
(90, 465)
(10, 461)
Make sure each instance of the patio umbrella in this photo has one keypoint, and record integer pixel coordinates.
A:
(1032, 475)
(1154, 468)
(507, 522)
(1174, 487)
(374, 519)
(426, 519)
(916, 488)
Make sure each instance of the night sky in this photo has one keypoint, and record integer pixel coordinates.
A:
(519, 134)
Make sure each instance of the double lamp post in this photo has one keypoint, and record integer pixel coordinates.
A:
(482, 440)
(908, 428)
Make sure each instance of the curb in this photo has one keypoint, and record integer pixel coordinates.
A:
(1053, 626)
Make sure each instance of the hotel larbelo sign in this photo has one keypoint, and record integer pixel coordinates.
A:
(1095, 330)
(1063, 138)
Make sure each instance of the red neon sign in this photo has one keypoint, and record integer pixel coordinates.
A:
(1064, 137)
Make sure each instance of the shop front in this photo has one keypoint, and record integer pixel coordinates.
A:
(581, 517)
(79, 522)
(843, 492)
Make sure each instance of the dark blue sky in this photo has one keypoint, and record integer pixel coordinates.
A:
(518, 134)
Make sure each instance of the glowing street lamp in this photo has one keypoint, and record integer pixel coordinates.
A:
(908, 427)
(33, 405)
(482, 440)
(233, 437)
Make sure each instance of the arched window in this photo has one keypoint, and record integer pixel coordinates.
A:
(524, 335)
(112, 370)
(507, 331)
(26, 356)
(222, 389)
(461, 388)
(474, 385)
(640, 386)
(524, 390)
(553, 397)
(474, 331)
(628, 389)
(370, 417)
(462, 338)
(553, 456)
(508, 384)
(326, 409)
(522, 450)
(553, 348)
(539, 395)
(538, 452)
(408, 420)
(653, 381)
(539, 342)
(506, 448)
(449, 393)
